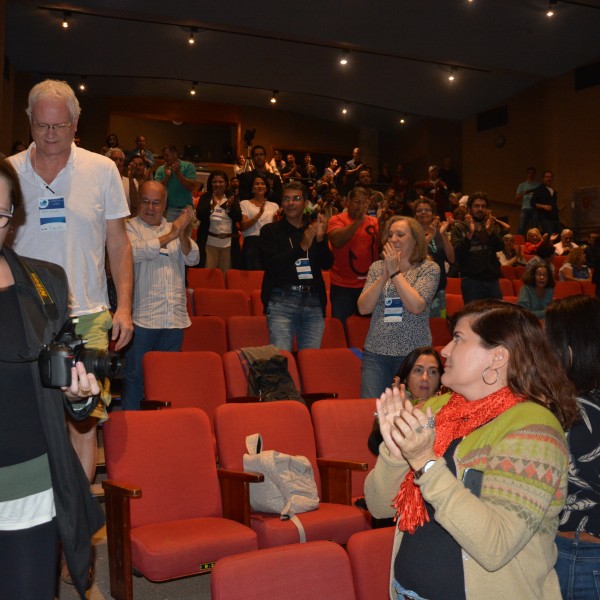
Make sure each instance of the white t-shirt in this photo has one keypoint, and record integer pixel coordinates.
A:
(65, 221)
(249, 210)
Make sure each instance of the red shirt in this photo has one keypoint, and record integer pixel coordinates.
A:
(351, 262)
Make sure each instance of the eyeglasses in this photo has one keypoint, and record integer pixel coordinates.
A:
(292, 199)
(153, 203)
(57, 126)
(4, 219)
(118, 158)
(423, 210)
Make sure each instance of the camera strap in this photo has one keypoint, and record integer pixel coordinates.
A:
(43, 293)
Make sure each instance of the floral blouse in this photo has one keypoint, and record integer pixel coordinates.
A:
(582, 510)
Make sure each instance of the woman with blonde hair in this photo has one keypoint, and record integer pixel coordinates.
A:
(398, 293)
(574, 268)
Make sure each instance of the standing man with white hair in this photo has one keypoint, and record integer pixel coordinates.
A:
(74, 208)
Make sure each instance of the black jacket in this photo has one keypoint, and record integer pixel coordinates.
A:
(280, 249)
(78, 513)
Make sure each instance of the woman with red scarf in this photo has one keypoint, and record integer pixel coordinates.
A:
(477, 478)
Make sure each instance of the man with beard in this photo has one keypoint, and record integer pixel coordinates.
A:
(354, 239)
(476, 242)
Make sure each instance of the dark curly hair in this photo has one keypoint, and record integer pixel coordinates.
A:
(533, 370)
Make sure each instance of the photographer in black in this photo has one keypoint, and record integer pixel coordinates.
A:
(44, 493)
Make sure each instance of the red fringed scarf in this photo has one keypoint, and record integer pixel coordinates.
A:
(456, 419)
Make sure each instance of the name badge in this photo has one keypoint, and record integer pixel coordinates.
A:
(53, 214)
(393, 310)
(217, 214)
(303, 268)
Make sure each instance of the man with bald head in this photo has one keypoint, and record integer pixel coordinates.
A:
(161, 251)
(566, 243)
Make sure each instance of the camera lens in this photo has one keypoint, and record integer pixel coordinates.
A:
(102, 364)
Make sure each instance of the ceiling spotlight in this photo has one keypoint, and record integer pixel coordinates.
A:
(66, 17)
(82, 85)
(193, 90)
(274, 97)
(344, 57)
(191, 40)
(451, 76)
(551, 6)
(402, 120)
(345, 110)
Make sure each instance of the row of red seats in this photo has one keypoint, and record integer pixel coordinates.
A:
(206, 380)
(510, 291)
(165, 508)
(220, 335)
(234, 279)
(314, 569)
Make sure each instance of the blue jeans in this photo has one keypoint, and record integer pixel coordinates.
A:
(295, 314)
(403, 593)
(578, 568)
(145, 340)
(343, 302)
(377, 373)
(474, 289)
(527, 220)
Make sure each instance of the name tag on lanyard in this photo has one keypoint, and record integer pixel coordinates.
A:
(303, 268)
(393, 310)
(53, 213)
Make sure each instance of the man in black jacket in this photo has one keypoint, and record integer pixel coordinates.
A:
(545, 200)
(259, 158)
(475, 245)
(294, 251)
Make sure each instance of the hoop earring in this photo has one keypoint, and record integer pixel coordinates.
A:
(485, 380)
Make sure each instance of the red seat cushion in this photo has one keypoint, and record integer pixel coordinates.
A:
(177, 548)
(336, 522)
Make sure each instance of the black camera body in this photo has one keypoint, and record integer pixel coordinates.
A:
(67, 348)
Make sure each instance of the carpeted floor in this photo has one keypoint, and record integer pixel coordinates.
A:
(190, 588)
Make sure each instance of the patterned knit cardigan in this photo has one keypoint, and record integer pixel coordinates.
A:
(507, 534)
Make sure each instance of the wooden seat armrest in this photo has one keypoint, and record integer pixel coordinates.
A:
(314, 396)
(336, 479)
(118, 488)
(118, 528)
(235, 493)
(155, 404)
(242, 399)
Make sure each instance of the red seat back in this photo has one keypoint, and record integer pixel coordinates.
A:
(357, 329)
(342, 428)
(205, 278)
(170, 455)
(333, 334)
(562, 289)
(246, 281)
(285, 426)
(508, 272)
(319, 570)
(440, 333)
(370, 554)
(256, 303)
(221, 303)
(453, 285)
(330, 370)
(205, 333)
(186, 379)
(244, 331)
(454, 302)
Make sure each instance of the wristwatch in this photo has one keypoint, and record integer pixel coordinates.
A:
(424, 468)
